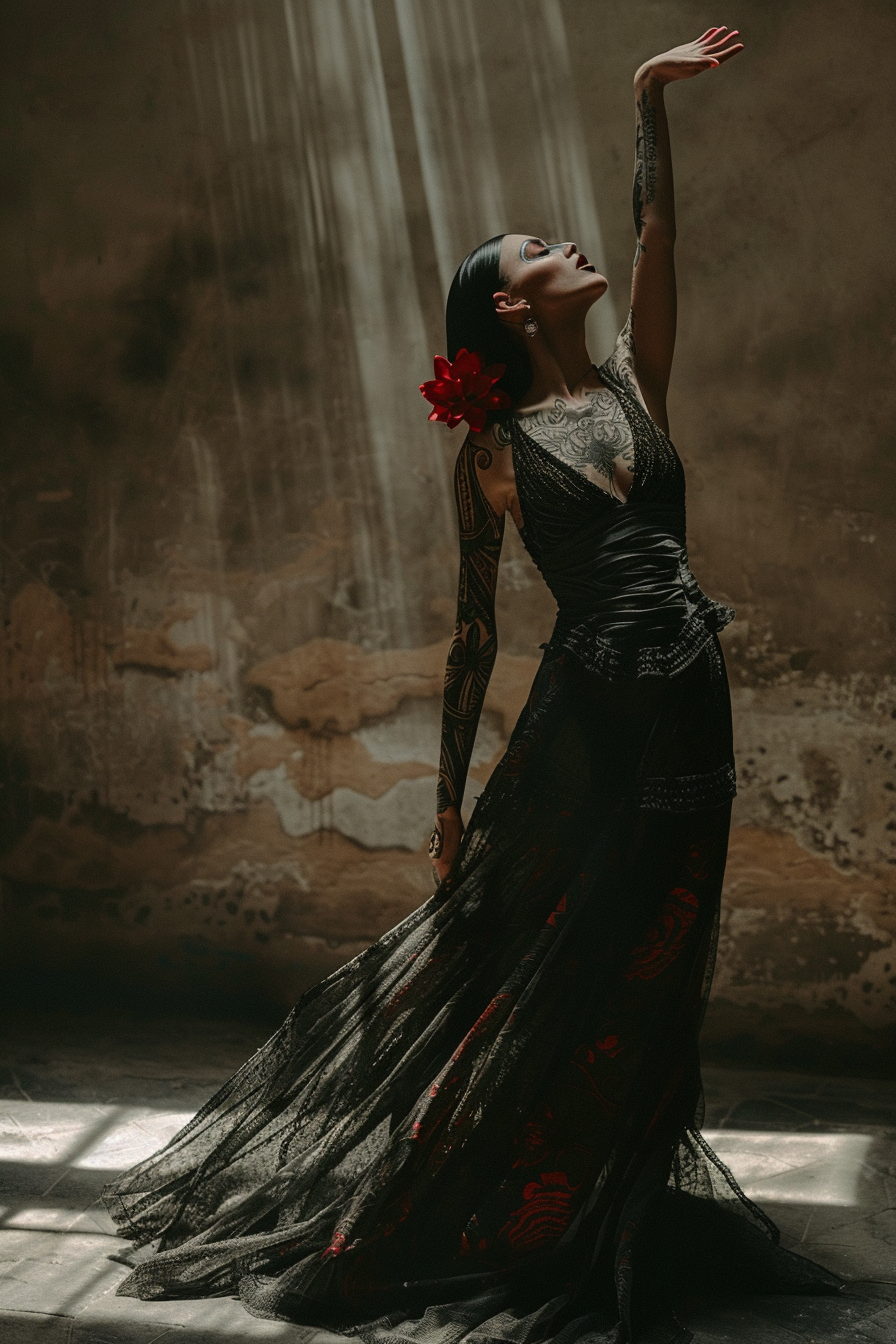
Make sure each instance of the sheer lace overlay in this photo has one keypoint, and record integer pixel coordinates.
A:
(486, 1126)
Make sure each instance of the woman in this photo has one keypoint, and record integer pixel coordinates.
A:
(486, 1126)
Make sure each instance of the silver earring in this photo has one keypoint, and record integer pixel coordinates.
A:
(530, 326)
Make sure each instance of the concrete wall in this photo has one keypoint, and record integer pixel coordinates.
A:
(228, 544)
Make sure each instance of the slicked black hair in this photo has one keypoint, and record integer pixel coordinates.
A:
(471, 321)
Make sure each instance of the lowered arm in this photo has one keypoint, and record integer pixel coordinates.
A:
(474, 644)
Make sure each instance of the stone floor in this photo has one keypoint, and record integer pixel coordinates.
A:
(84, 1096)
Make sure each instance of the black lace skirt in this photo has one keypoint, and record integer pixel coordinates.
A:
(486, 1126)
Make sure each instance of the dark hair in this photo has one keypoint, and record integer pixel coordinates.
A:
(471, 321)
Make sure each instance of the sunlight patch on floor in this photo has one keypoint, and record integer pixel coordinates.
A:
(770, 1165)
(109, 1138)
(778, 1167)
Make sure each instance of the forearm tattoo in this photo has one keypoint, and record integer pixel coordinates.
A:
(595, 436)
(644, 187)
(474, 645)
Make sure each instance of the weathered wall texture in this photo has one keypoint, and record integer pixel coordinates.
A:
(228, 543)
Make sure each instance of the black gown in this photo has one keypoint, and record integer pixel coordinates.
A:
(486, 1126)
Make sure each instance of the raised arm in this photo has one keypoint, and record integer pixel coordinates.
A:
(473, 649)
(653, 202)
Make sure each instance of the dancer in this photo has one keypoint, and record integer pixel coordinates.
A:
(487, 1125)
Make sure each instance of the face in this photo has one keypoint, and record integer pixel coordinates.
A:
(555, 278)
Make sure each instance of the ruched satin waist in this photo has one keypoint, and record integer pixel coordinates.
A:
(631, 576)
(630, 606)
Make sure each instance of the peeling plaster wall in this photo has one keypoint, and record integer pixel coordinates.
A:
(228, 541)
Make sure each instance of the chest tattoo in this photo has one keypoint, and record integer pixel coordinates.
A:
(596, 435)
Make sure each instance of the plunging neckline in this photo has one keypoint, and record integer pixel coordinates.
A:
(580, 475)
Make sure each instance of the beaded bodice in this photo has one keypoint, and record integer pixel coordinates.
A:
(618, 568)
(559, 497)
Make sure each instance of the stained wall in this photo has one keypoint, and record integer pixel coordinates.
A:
(228, 546)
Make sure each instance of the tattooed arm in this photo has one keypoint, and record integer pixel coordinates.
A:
(474, 645)
(653, 201)
(653, 275)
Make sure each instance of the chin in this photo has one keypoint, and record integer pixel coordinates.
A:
(589, 279)
(597, 287)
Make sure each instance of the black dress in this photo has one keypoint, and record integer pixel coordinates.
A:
(487, 1125)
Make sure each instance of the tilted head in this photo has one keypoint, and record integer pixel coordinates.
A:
(504, 282)
(553, 282)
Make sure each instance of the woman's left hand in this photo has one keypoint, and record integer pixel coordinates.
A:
(692, 58)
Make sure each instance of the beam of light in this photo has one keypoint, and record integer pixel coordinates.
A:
(774, 1167)
(563, 169)
(384, 305)
(466, 180)
(452, 126)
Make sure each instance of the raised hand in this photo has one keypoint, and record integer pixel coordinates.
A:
(654, 302)
(691, 58)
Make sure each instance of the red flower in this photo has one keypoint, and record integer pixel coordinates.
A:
(463, 390)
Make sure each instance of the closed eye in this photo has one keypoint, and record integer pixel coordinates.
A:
(527, 253)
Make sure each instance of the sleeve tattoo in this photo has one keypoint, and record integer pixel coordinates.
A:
(644, 188)
(474, 644)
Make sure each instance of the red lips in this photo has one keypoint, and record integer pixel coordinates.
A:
(582, 261)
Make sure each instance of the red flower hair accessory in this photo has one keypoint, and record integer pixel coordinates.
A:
(463, 390)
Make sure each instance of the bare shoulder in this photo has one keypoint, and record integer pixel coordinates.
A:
(491, 454)
(493, 445)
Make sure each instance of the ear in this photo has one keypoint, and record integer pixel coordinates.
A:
(514, 314)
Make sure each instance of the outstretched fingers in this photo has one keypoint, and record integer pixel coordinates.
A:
(726, 55)
(718, 38)
(718, 45)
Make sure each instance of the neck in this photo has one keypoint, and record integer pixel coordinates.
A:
(560, 363)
